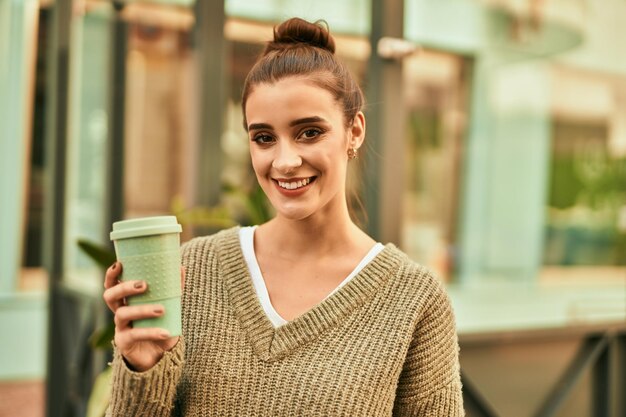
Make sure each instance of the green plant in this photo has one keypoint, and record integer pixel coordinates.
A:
(101, 338)
(103, 257)
(239, 206)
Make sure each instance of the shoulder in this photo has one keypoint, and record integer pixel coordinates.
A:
(199, 248)
(211, 241)
(420, 285)
(413, 274)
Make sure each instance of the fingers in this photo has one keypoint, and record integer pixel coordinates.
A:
(126, 314)
(112, 275)
(126, 335)
(114, 296)
(130, 337)
(116, 292)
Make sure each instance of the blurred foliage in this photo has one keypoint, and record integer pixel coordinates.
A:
(565, 184)
(257, 208)
(425, 128)
(240, 206)
(595, 184)
(587, 193)
(100, 254)
(101, 338)
(103, 257)
(100, 394)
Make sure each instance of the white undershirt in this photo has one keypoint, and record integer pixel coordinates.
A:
(246, 239)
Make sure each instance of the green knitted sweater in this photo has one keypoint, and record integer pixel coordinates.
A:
(382, 345)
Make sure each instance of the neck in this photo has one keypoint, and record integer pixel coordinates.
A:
(315, 236)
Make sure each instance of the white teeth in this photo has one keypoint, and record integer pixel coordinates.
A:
(295, 184)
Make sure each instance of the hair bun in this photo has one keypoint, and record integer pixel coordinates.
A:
(299, 31)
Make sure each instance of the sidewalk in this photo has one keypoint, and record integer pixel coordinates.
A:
(22, 398)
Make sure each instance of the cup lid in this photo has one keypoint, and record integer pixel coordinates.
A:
(145, 226)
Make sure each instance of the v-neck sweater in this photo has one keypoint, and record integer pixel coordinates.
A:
(382, 345)
(246, 239)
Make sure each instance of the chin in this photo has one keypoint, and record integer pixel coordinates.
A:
(291, 211)
(294, 215)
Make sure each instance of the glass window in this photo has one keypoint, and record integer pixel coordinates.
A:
(586, 211)
(435, 97)
(33, 276)
(89, 87)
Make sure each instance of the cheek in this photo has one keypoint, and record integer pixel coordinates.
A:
(257, 161)
(261, 166)
(334, 163)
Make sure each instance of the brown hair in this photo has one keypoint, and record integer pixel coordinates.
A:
(301, 48)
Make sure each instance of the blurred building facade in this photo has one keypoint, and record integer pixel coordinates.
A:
(497, 154)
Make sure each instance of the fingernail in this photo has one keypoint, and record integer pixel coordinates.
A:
(113, 266)
(165, 334)
(158, 310)
(138, 284)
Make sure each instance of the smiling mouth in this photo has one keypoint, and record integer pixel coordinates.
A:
(294, 185)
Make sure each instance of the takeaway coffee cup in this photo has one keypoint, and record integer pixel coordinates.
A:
(148, 249)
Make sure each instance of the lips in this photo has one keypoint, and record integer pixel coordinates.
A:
(293, 184)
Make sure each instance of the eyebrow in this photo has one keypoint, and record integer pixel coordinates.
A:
(258, 126)
(304, 120)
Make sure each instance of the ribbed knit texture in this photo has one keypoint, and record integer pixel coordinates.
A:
(383, 345)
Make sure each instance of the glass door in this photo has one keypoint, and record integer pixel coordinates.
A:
(435, 86)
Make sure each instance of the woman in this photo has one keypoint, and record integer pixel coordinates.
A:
(305, 314)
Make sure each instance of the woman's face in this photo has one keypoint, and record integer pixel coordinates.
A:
(298, 145)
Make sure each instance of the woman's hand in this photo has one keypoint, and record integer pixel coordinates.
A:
(141, 347)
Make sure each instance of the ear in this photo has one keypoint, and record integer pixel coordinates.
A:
(357, 131)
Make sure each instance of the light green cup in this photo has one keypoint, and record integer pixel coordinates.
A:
(149, 250)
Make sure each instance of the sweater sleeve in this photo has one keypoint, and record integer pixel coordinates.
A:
(430, 383)
(150, 393)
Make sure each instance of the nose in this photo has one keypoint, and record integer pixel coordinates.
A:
(287, 158)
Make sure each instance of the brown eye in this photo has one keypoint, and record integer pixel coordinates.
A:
(311, 133)
(262, 139)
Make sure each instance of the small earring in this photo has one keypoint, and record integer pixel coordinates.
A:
(352, 153)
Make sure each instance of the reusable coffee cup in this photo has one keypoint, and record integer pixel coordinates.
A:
(149, 250)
